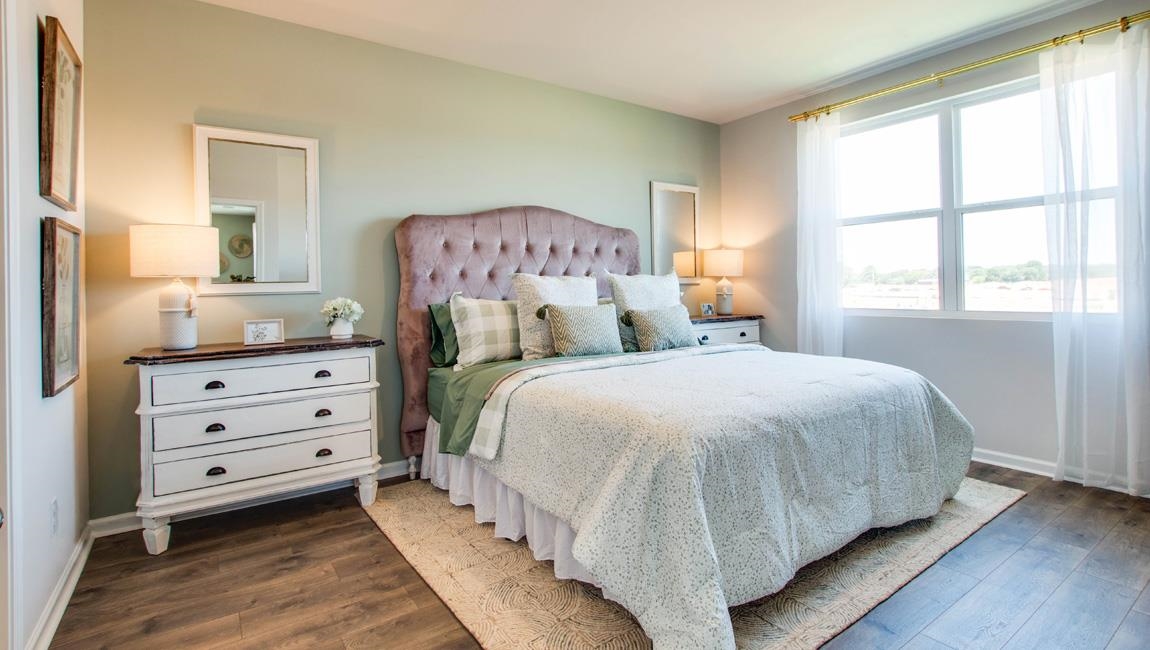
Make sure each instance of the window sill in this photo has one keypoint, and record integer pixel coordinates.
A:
(1013, 316)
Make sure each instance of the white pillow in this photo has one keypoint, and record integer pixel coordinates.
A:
(487, 330)
(641, 292)
(534, 291)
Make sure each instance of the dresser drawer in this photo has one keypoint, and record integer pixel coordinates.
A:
(737, 333)
(220, 469)
(190, 429)
(236, 382)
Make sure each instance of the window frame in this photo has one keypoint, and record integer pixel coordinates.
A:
(951, 211)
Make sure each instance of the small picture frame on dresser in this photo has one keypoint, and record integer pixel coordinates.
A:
(264, 332)
(707, 309)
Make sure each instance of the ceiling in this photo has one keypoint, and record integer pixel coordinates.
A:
(715, 60)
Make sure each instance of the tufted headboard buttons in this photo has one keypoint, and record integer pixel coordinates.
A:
(476, 254)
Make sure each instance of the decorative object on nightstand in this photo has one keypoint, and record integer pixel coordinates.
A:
(175, 251)
(340, 314)
(227, 424)
(723, 263)
(731, 328)
(264, 332)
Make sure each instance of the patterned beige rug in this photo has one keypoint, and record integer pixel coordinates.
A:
(507, 599)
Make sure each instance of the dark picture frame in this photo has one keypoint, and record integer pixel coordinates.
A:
(60, 316)
(61, 84)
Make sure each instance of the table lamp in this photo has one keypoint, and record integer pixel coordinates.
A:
(175, 251)
(724, 263)
(684, 263)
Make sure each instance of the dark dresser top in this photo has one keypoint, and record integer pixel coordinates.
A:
(216, 351)
(699, 320)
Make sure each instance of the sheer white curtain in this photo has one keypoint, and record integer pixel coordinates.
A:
(1096, 129)
(820, 318)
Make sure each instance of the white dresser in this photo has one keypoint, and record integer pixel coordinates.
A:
(737, 328)
(221, 425)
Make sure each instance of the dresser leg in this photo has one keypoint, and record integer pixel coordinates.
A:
(157, 532)
(366, 485)
(412, 470)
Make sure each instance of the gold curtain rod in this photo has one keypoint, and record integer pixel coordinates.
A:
(1080, 35)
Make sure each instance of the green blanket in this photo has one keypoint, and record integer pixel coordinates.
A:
(464, 395)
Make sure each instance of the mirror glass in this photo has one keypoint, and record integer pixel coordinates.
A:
(259, 192)
(675, 231)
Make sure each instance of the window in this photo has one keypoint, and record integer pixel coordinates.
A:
(942, 207)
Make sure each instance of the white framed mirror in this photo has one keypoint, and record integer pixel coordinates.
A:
(675, 231)
(261, 191)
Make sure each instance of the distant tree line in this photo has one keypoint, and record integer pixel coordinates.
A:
(1032, 271)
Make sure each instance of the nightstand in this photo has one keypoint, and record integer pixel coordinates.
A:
(736, 328)
(224, 425)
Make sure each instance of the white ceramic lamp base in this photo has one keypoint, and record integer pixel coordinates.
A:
(178, 320)
(724, 297)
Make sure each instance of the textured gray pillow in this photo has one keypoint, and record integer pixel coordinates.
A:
(665, 328)
(534, 291)
(641, 292)
(579, 330)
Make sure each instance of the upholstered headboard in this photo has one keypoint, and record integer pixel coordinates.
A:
(476, 254)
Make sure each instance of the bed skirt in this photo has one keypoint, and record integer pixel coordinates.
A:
(467, 484)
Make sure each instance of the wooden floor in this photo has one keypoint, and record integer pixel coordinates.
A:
(1065, 567)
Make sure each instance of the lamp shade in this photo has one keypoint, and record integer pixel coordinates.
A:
(684, 263)
(723, 263)
(174, 251)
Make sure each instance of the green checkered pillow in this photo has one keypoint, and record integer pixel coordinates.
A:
(665, 328)
(578, 331)
(487, 330)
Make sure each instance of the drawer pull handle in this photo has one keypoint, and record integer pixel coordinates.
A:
(742, 333)
(215, 384)
(705, 338)
(214, 427)
(320, 374)
(217, 471)
(323, 452)
(322, 413)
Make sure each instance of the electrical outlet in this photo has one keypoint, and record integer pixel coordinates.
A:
(54, 516)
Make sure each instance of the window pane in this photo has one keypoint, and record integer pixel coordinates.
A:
(1006, 260)
(891, 265)
(890, 169)
(1002, 149)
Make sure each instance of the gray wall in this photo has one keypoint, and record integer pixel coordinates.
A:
(48, 442)
(999, 373)
(399, 133)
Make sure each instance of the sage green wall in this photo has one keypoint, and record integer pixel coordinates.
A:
(399, 133)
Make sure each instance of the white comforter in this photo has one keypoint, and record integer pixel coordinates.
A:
(705, 478)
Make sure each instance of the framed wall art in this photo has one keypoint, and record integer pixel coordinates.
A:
(60, 316)
(60, 77)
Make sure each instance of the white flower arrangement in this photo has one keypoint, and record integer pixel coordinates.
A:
(344, 308)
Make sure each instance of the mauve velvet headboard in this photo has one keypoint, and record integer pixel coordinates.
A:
(476, 254)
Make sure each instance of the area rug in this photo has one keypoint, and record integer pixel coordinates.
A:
(508, 599)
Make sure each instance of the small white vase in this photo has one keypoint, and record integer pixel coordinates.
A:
(341, 329)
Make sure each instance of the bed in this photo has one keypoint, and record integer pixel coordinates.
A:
(682, 482)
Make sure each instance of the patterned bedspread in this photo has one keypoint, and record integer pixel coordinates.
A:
(703, 478)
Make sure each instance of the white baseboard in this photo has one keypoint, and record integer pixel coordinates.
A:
(126, 522)
(1012, 461)
(45, 629)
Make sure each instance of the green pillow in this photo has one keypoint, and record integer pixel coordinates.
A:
(579, 331)
(444, 344)
(665, 328)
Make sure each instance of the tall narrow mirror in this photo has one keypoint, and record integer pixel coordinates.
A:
(260, 191)
(675, 231)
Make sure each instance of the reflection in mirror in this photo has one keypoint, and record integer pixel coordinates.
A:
(675, 231)
(259, 190)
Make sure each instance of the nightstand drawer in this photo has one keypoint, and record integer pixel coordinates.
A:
(190, 429)
(739, 333)
(209, 471)
(201, 386)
